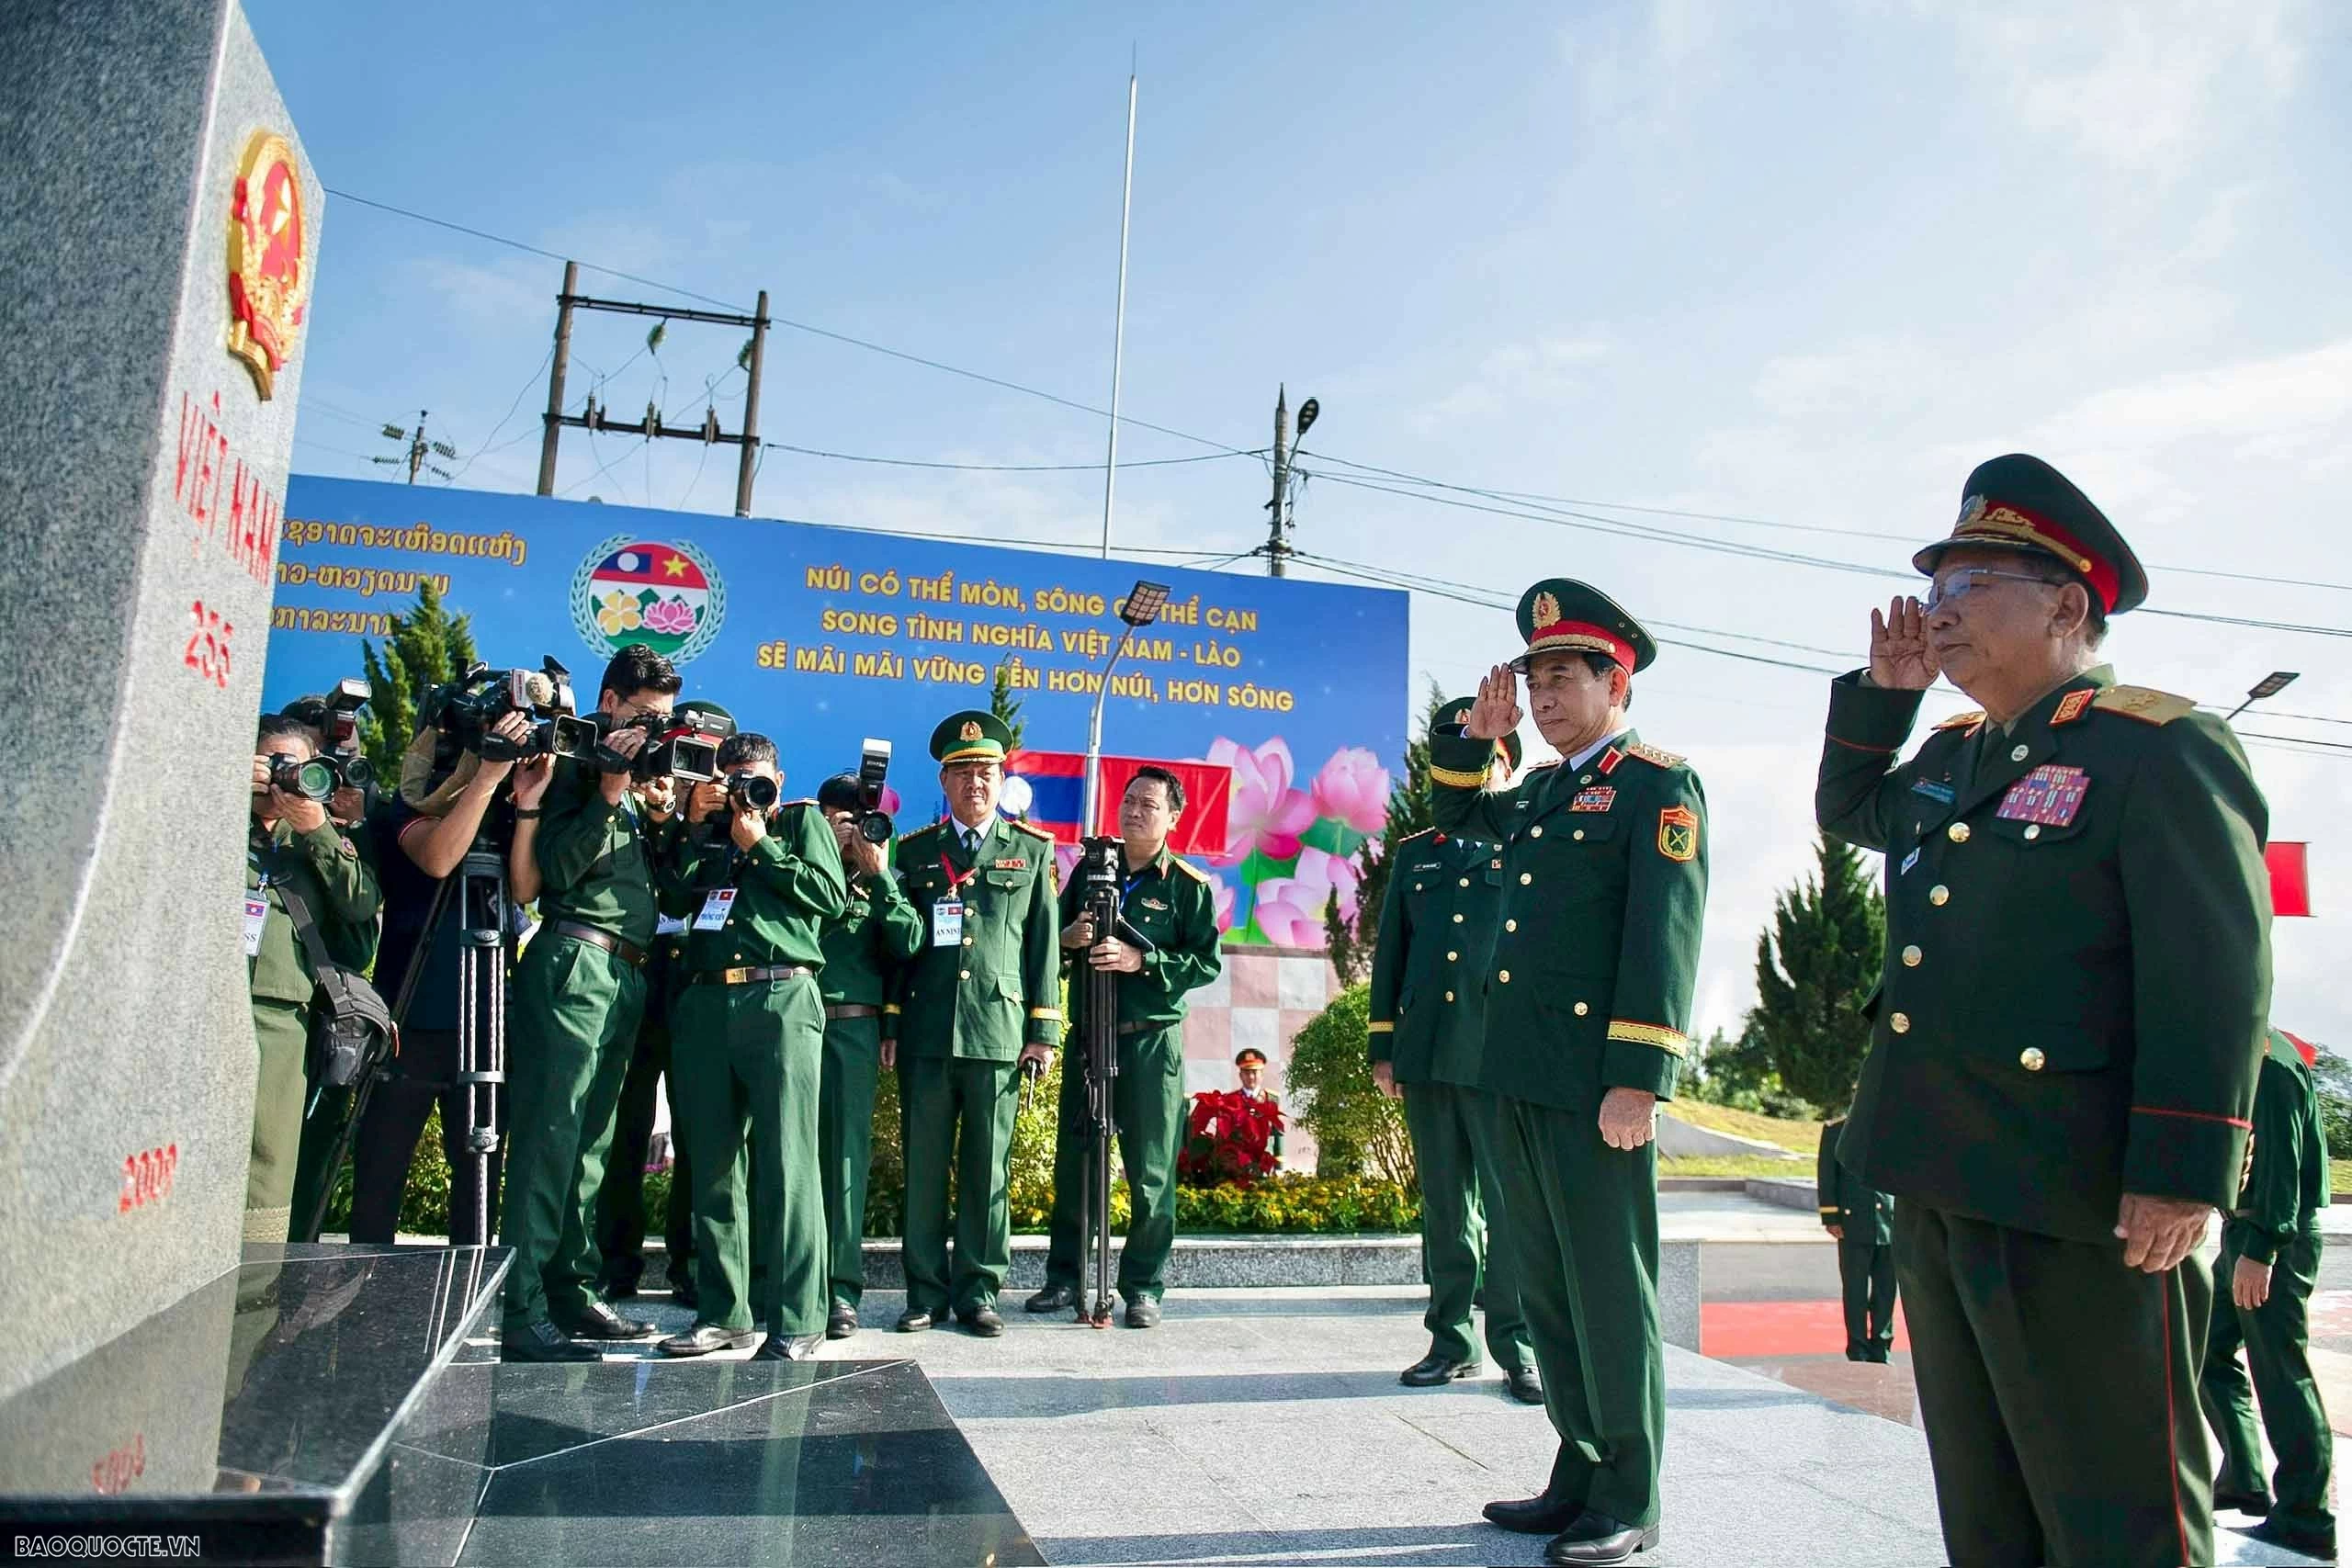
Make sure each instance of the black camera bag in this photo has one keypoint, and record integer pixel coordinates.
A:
(354, 1033)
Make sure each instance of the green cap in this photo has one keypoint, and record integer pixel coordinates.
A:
(2023, 504)
(972, 736)
(1562, 615)
(1448, 720)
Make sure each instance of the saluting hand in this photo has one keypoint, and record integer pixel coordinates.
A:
(1628, 1117)
(1900, 658)
(2157, 1232)
(1495, 713)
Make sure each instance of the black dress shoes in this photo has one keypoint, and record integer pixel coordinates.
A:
(1524, 1384)
(601, 1322)
(1143, 1313)
(543, 1341)
(913, 1321)
(1053, 1298)
(981, 1322)
(682, 1291)
(2241, 1501)
(2310, 1544)
(1433, 1370)
(842, 1322)
(1596, 1541)
(789, 1347)
(1534, 1516)
(705, 1338)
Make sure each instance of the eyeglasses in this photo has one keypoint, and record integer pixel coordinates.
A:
(1968, 579)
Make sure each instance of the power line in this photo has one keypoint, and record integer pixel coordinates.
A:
(1005, 467)
(523, 392)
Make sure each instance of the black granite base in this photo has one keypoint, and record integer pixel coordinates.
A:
(727, 1462)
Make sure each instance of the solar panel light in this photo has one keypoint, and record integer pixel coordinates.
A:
(2270, 686)
(1143, 604)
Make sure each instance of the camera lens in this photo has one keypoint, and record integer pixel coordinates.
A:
(357, 772)
(751, 790)
(314, 780)
(873, 827)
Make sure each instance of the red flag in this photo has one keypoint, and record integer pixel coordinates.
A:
(2290, 881)
(2303, 1048)
(1057, 782)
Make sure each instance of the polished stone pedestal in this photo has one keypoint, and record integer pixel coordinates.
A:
(267, 1417)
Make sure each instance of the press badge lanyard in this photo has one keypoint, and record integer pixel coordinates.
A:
(257, 900)
(947, 914)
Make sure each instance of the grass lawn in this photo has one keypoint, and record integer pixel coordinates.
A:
(2339, 1176)
(1737, 1165)
(1797, 1137)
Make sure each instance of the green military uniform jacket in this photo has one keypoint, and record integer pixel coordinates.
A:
(1601, 891)
(2287, 1185)
(1847, 1202)
(876, 930)
(597, 857)
(335, 880)
(1434, 948)
(1170, 905)
(788, 886)
(999, 987)
(2077, 967)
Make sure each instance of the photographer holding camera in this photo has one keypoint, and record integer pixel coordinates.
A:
(756, 881)
(1167, 946)
(305, 886)
(877, 931)
(577, 998)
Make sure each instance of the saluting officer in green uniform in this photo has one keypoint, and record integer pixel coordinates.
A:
(2271, 1249)
(757, 881)
(292, 845)
(1170, 907)
(876, 930)
(1437, 935)
(1862, 1222)
(981, 998)
(1601, 891)
(2065, 1036)
(574, 1007)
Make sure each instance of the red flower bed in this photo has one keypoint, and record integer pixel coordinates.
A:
(1229, 1141)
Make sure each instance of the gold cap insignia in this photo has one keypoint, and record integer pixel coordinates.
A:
(1547, 610)
(1970, 511)
(971, 730)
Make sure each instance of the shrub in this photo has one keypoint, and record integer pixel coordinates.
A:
(1357, 1130)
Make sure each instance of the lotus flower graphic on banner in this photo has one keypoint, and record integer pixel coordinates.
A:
(1290, 853)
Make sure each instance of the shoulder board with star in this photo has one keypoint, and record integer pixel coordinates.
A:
(916, 835)
(2143, 703)
(1652, 755)
(1189, 869)
(1415, 838)
(1033, 831)
(1967, 720)
(1533, 768)
(810, 800)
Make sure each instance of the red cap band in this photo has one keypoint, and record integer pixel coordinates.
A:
(1583, 636)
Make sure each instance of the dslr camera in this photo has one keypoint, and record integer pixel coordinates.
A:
(682, 744)
(335, 717)
(464, 711)
(313, 779)
(750, 792)
(874, 824)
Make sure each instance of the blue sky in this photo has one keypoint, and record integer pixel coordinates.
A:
(1804, 268)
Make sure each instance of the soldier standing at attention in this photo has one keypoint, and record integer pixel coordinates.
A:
(1249, 1067)
(876, 930)
(1437, 935)
(757, 881)
(2063, 1058)
(1862, 1222)
(981, 999)
(1170, 906)
(2271, 1249)
(1602, 880)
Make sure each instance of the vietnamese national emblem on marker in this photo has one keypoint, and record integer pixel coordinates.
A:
(269, 259)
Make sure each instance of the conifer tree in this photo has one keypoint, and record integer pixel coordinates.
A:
(427, 648)
(1813, 970)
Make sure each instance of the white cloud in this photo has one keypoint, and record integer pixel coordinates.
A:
(1516, 375)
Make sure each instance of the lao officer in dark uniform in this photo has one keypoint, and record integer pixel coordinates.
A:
(1601, 891)
(2271, 1251)
(1437, 933)
(982, 996)
(1862, 1222)
(2063, 1057)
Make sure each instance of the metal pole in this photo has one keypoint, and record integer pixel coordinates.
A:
(749, 460)
(561, 363)
(1094, 739)
(1118, 344)
(1277, 540)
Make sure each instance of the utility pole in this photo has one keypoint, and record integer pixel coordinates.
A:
(418, 449)
(1278, 509)
(707, 431)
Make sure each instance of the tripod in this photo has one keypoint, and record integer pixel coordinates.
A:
(479, 887)
(1098, 866)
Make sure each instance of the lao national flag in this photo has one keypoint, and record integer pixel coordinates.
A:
(1058, 797)
(2290, 882)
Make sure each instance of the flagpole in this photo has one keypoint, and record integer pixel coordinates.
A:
(1118, 336)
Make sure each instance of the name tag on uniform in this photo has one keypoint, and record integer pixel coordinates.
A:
(948, 923)
(1908, 862)
(669, 925)
(715, 909)
(257, 917)
(2049, 794)
(1933, 790)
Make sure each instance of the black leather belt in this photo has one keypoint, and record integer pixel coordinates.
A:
(852, 1010)
(751, 975)
(628, 953)
(1141, 1027)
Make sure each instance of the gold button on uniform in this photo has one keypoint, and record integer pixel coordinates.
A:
(1939, 895)
(1457, 920)
(1510, 925)
(1504, 976)
(1911, 956)
(1957, 832)
(965, 974)
(967, 941)
(2018, 754)
(2031, 1058)
(1449, 996)
(1582, 1008)
(1535, 832)
(1453, 958)
(1899, 1023)
(1417, 887)
(1525, 877)
(2032, 830)
(1578, 835)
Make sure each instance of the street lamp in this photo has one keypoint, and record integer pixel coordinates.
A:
(1140, 609)
(2270, 686)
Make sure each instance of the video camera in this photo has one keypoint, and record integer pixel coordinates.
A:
(874, 824)
(466, 709)
(682, 744)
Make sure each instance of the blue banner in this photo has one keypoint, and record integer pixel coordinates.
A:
(819, 636)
